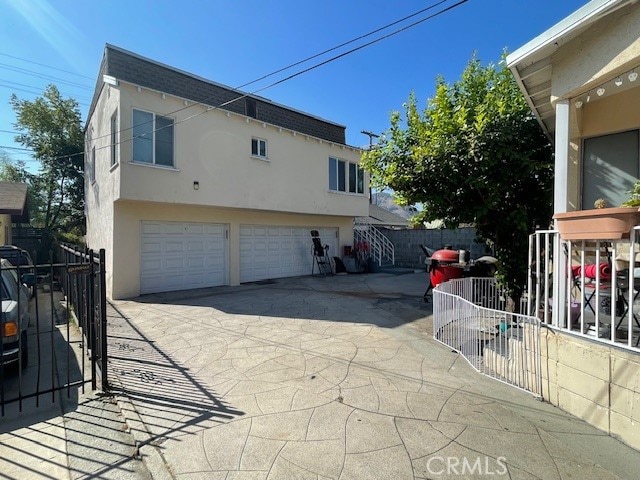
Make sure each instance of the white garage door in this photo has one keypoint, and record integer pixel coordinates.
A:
(276, 251)
(179, 256)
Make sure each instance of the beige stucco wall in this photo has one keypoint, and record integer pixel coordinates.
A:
(214, 148)
(99, 195)
(595, 382)
(605, 50)
(612, 114)
(128, 215)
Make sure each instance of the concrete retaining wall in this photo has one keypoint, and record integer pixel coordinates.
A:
(595, 382)
(407, 243)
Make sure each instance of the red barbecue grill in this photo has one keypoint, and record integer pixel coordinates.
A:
(447, 264)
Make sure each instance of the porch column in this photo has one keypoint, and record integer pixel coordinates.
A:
(561, 169)
(560, 204)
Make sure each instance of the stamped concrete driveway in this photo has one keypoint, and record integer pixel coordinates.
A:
(329, 378)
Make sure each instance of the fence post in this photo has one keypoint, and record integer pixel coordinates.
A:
(91, 318)
(103, 319)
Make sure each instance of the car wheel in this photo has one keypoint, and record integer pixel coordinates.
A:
(24, 353)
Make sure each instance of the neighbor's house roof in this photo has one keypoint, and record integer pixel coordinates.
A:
(13, 201)
(531, 64)
(383, 217)
(119, 65)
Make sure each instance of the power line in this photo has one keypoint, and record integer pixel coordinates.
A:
(244, 95)
(278, 82)
(348, 42)
(17, 148)
(33, 92)
(37, 87)
(43, 65)
(44, 76)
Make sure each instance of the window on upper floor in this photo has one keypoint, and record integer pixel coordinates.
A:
(114, 138)
(152, 139)
(259, 148)
(345, 176)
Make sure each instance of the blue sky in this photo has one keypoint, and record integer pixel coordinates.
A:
(236, 41)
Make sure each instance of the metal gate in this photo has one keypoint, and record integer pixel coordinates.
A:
(54, 321)
(469, 316)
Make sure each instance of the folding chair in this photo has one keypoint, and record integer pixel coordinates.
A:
(321, 257)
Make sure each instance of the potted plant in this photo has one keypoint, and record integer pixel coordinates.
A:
(601, 222)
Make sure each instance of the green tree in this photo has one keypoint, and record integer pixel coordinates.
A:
(474, 155)
(51, 126)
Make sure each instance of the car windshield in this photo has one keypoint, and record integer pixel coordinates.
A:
(9, 285)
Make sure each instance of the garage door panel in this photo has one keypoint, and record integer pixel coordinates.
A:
(180, 255)
(278, 251)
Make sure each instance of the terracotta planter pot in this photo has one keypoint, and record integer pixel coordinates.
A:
(597, 224)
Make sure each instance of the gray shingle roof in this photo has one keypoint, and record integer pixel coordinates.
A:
(132, 68)
(13, 200)
(382, 216)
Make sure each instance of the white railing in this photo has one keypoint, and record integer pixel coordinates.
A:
(469, 317)
(584, 288)
(381, 248)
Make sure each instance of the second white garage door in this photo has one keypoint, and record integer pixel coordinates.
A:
(180, 256)
(277, 251)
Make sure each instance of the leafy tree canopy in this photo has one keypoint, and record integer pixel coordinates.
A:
(474, 155)
(51, 126)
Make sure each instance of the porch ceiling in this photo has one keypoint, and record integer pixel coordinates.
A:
(532, 64)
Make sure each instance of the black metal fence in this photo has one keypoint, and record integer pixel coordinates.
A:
(53, 328)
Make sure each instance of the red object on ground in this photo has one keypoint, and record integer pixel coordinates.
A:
(441, 269)
(590, 271)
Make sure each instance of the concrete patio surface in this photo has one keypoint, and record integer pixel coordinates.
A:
(329, 378)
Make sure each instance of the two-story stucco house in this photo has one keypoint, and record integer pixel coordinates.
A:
(192, 184)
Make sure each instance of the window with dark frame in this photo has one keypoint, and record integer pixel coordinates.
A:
(345, 176)
(259, 148)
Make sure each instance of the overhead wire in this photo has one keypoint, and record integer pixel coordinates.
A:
(40, 88)
(43, 76)
(289, 77)
(45, 65)
(288, 67)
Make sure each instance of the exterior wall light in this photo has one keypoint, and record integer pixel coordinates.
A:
(196, 185)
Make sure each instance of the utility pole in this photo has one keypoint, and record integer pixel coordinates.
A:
(371, 136)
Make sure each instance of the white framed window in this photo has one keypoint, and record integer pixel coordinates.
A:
(152, 138)
(345, 176)
(114, 138)
(259, 148)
